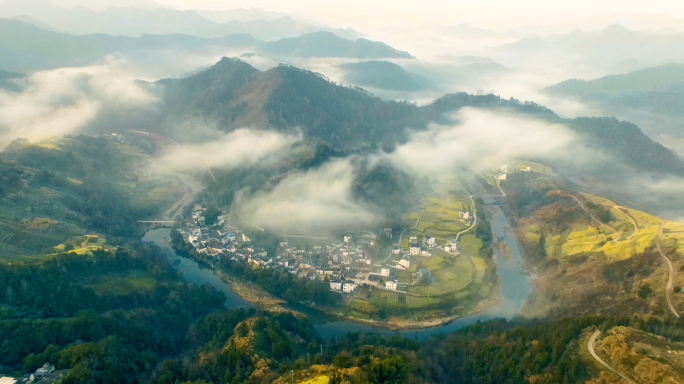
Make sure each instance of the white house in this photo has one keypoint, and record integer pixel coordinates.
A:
(425, 252)
(415, 249)
(391, 284)
(336, 285)
(405, 261)
(348, 286)
(466, 215)
(347, 239)
(413, 239)
(501, 177)
(430, 241)
(384, 271)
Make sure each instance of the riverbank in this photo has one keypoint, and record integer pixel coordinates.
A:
(256, 295)
(401, 324)
(512, 286)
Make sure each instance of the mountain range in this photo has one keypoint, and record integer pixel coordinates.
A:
(327, 44)
(601, 52)
(232, 94)
(385, 75)
(25, 47)
(134, 22)
(652, 97)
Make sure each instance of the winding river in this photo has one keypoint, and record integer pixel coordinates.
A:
(514, 285)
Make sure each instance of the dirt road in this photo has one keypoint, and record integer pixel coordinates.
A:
(595, 356)
(615, 240)
(668, 287)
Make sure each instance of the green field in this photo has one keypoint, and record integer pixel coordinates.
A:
(449, 274)
(439, 219)
(470, 245)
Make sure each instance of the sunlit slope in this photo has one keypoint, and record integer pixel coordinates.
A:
(64, 194)
(629, 232)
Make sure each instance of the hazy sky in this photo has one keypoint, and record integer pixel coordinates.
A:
(488, 13)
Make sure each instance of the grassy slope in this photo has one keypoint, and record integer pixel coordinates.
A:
(41, 214)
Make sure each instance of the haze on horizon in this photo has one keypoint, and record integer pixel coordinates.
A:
(494, 14)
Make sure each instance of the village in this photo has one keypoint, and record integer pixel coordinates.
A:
(345, 263)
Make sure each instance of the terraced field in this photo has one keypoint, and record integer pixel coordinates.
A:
(636, 232)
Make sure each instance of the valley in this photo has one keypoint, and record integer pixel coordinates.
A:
(375, 193)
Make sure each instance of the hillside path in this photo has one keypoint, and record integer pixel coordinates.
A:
(474, 219)
(595, 356)
(591, 215)
(668, 287)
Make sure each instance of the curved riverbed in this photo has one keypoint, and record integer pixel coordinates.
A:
(514, 285)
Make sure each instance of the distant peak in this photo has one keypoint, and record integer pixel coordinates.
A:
(615, 28)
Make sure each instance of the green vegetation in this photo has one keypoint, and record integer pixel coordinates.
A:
(116, 285)
(439, 217)
(51, 312)
(42, 206)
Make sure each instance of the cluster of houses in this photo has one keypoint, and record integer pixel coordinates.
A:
(43, 375)
(218, 239)
(502, 173)
(345, 257)
(338, 263)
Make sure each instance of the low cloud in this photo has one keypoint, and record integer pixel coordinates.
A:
(317, 201)
(485, 139)
(237, 148)
(59, 102)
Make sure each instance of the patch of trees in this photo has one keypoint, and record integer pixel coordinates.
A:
(49, 312)
(240, 342)
(108, 210)
(338, 115)
(282, 284)
(600, 212)
(623, 272)
(484, 229)
(385, 187)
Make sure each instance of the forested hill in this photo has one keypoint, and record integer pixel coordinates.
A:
(25, 47)
(327, 44)
(385, 75)
(651, 97)
(620, 139)
(644, 80)
(232, 94)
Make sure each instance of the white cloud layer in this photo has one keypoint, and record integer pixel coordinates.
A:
(484, 139)
(237, 148)
(316, 201)
(62, 101)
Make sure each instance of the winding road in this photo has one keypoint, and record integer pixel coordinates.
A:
(595, 356)
(591, 215)
(474, 219)
(668, 287)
